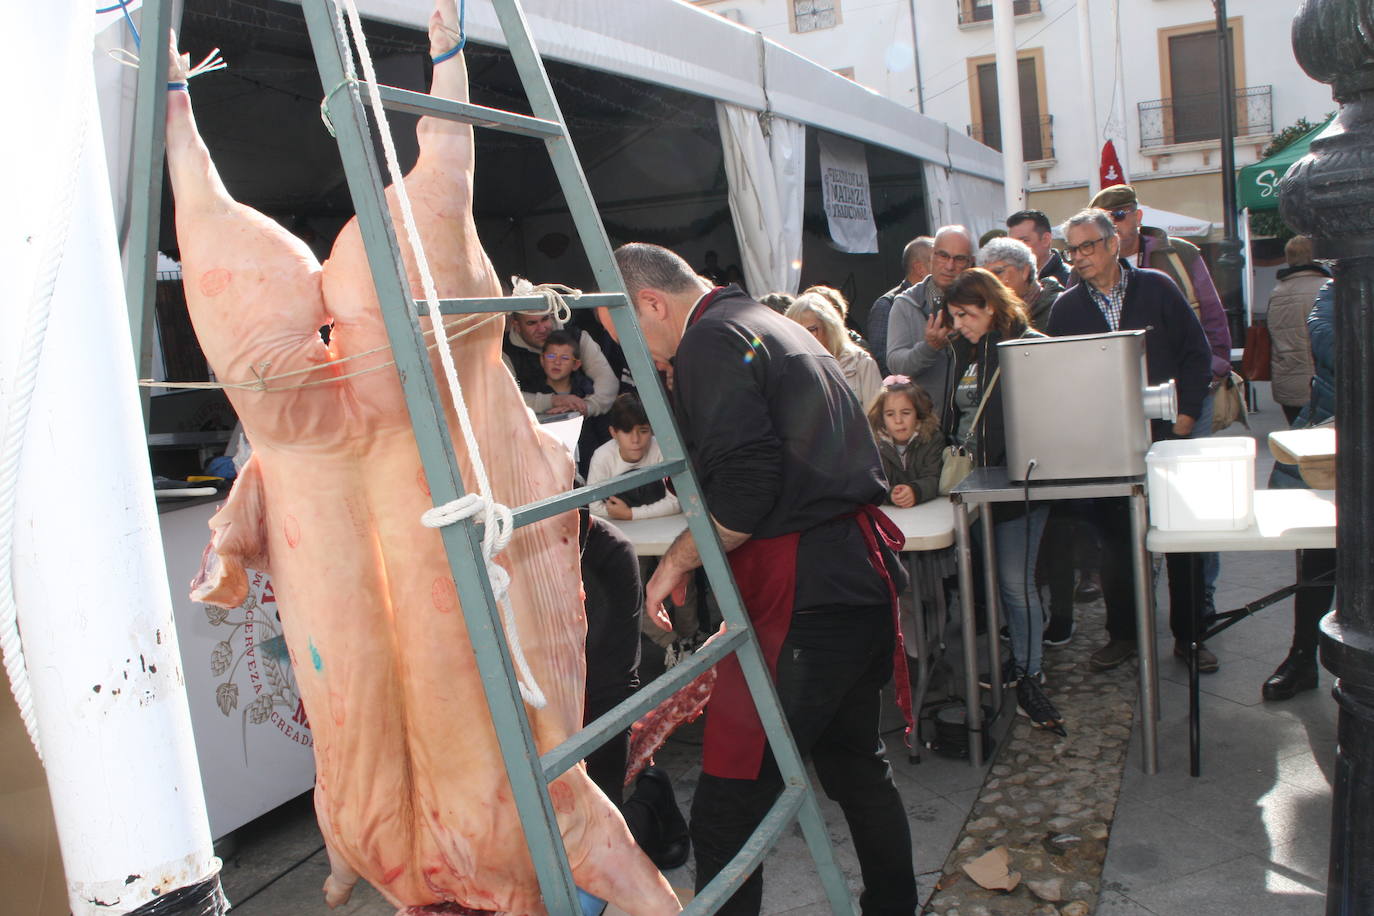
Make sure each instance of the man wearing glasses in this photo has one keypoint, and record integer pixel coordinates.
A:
(917, 334)
(1147, 246)
(1151, 247)
(523, 353)
(1114, 295)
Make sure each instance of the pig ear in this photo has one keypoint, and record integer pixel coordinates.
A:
(238, 542)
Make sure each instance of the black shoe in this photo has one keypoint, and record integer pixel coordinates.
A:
(1298, 672)
(1089, 588)
(1059, 631)
(672, 845)
(1032, 702)
(1010, 675)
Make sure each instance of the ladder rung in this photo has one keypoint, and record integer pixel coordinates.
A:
(766, 836)
(523, 303)
(547, 508)
(561, 758)
(418, 103)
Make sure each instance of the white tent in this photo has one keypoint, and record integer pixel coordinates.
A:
(676, 45)
(1175, 224)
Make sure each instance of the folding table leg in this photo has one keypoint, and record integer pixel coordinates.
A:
(1145, 634)
(973, 707)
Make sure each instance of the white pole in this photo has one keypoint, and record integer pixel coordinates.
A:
(1088, 90)
(88, 576)
(1009, 105)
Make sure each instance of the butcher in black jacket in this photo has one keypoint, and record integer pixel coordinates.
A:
(1115, 296)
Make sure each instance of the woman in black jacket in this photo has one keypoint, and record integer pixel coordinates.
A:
(984, 312)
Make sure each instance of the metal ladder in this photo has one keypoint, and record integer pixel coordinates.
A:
(529, 772)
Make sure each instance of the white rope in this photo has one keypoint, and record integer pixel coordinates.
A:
(16, 424)
(497, 521)
(553, 294)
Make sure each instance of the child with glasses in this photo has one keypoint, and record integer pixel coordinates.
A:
(562, 363)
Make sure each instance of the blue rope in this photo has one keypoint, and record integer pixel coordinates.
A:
(123, 7)
(462, 34)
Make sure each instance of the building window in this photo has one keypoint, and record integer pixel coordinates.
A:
(1190, 80)
(1037, 141)
(971, 11)
(810, 15)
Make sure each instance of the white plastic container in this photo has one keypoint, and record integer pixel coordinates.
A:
(1202, 484)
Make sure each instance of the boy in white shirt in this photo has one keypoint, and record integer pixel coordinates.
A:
(632, 446)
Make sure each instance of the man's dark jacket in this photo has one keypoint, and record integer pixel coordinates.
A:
(1175, 345)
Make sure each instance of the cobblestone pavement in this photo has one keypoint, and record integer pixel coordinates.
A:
(1050, 800)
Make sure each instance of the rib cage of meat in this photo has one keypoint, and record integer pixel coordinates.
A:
(411, 790)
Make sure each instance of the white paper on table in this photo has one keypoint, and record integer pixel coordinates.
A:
(566, 430)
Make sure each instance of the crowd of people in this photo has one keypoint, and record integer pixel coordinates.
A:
(798, 427)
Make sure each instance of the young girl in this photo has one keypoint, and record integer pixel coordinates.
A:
(909, 442)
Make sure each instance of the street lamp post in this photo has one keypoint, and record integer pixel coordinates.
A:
(1231, 260)
(1329, 195)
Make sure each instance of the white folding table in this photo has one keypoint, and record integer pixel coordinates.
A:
(1284, 520)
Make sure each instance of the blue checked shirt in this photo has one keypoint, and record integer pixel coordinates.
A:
(1111, 302)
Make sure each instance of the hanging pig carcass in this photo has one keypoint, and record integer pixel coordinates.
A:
(411, 790)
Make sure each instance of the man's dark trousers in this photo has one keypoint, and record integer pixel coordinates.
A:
(1113, 517)
(831, 671)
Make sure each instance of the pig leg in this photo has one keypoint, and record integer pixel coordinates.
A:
(338, 886)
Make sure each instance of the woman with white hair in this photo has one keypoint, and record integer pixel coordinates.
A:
(815, 313)
(1013, 262)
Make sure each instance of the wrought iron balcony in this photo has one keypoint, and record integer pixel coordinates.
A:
(971, 11)
(1037, 137)
(1194, 118)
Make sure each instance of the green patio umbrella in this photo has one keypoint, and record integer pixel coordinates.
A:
(1257, 185)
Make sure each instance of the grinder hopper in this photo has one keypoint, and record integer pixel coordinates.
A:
(1079, 406)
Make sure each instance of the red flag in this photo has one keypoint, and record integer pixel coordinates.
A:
(1111, 171)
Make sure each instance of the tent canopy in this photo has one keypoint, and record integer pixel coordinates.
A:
(1257, 185)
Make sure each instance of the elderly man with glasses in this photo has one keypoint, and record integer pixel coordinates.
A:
(1114, 295)
(917, 331)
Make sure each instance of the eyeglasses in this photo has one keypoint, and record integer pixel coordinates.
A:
(559, 357)
(1073, 252)
(959, 260)
(1118, 215)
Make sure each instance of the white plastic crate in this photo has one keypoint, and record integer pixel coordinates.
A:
(1202, 484)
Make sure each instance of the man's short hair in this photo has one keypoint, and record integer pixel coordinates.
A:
(644, 266)
(1298, 251)
(959, 230)
(1042, 222)
(564, 338)
(1092, 216)
(917, 251)
(1013, 251)
(778, 302)
(627, 412)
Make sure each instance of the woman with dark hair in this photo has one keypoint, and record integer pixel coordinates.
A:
(984, 312)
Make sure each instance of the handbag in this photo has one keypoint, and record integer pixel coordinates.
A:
(956, 461)
(1255, 362)
(1228, 404)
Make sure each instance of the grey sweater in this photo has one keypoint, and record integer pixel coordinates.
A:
(907, 351)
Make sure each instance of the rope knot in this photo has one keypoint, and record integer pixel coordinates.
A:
(553, 294)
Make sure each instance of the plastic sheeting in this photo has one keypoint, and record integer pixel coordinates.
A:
(958, 197)
(767, 176)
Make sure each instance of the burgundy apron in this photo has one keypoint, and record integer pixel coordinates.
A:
(766, 573)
